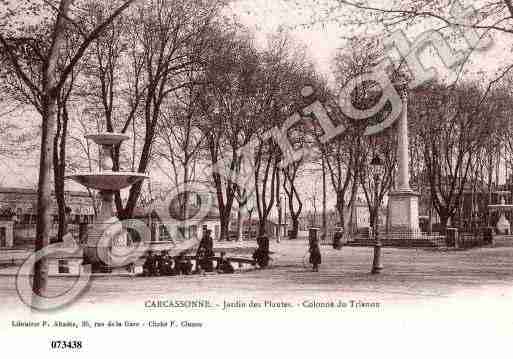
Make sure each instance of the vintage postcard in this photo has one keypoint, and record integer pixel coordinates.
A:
(252, 178)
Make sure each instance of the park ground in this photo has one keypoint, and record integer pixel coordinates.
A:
(409, 275)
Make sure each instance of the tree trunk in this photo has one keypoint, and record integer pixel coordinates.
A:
(44, 194)
(61, 208)
(295, 227)
(430, 213)
(224, 221)
(225, 228)
(135, 190)
(261, 227)
(373, 220)
(346, 218)
(250, 227)
(239, 224)
(48, 129)
(186, 195)
(278, 206)
(341, 214)
(324, 219)
(444, 219)
(59, 163)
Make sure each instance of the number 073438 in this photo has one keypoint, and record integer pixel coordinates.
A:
(66, 344)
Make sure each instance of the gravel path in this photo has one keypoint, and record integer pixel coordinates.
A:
(409, 274)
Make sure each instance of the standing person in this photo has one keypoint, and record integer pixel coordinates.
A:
(205, 238)
(209, 242)
(337, 239)
(206, 251)
(315, 254)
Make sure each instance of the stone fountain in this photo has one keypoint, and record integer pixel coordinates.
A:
(107, 235)
(503, 226)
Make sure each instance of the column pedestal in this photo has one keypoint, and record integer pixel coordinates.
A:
(404, 211)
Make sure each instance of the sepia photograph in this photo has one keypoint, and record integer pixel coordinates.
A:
(256, 178)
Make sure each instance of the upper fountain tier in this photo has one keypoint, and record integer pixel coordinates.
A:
(107, 179)
(107, 138)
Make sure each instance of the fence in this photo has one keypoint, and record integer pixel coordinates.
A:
(451, 239)
(470, 240)
(400, 239)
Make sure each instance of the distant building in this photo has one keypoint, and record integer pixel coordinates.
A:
(250, 228)
(471, 210)
(360, 219)
(18, 210)
(164, 218)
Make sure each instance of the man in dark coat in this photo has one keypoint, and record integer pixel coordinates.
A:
(337, 240)
(206, 251)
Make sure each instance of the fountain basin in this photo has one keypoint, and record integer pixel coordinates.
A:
(107, 180)
(107, 138)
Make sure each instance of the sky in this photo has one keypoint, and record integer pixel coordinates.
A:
(261, 16)
(267, 16)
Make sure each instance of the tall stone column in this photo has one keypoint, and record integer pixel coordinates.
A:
(403, 154)
(404, 207)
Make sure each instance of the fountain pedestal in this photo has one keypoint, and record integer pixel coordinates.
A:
(107, 237)
(503, 226)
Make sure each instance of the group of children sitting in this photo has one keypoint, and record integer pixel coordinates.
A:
(165, 265)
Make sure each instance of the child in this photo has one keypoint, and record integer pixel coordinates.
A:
(315, 255)
(224, 265)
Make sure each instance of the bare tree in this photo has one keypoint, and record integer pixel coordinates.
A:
(158, 43)
(452, 125)
(46, 87)
(376, 181)
(286, 71)
(344, 156)
(294, 199)
(228, 106)
(179, 140)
